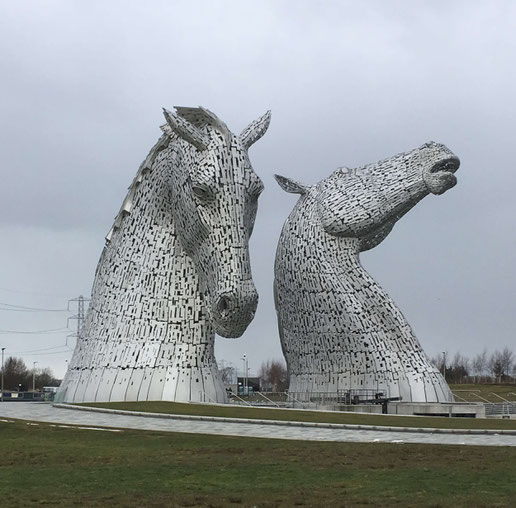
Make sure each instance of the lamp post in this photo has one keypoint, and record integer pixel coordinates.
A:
(444, 365)
(34, 376)
(3, 349)
(246, 389)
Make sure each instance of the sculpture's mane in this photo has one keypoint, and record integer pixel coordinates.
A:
(198, 117)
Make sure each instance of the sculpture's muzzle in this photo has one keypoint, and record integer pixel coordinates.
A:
(440, 177)
(233, 309)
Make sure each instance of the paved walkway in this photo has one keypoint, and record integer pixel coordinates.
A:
(41, 412)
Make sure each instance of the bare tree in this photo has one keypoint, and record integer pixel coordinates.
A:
(479, 364)
(438, 361)
(506, 359)
(459, 368)
(263, 374)
(45, 377)
(228, 375)
(273, 374)
(495, 366)
(15, 373)
(499, 365)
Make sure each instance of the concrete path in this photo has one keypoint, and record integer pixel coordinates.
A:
(41, 412)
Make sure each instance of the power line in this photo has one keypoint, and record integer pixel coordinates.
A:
(43, 349)
(40, 293)
(34, 331)
(21, 308)
(69, 350)
(53, 353)
(17, 310)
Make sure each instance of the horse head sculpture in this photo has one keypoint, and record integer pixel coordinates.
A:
(175, 269)
(338, 328)
(214, 195)
(367, 201)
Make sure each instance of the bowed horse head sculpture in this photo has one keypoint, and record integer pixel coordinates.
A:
(175, 269)
(339, 329)
(214, 197)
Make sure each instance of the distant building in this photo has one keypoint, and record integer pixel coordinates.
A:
(253, 384)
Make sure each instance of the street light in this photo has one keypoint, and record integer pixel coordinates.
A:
(34, 377)
(444, 365)
(246, 388)
(3, 349)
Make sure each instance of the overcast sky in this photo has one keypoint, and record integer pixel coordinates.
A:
(348, 83)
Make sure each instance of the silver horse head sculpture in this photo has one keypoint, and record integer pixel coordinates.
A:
(339, 330)
(214, 205)
(175, 269)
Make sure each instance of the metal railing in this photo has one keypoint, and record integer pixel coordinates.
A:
(269, 401)
(240, 399)
(346, 397)
(501, 409)
(485, 397)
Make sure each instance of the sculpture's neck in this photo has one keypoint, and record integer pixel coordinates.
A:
(345, 287)
(146, 288)
(322, 252)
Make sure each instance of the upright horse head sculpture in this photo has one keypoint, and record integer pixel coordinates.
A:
(175, 269)
(339, 330)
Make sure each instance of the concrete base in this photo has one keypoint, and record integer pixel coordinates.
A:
(359, 408)
(455, 409)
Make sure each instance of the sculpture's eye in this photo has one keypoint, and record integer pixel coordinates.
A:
(201, 193)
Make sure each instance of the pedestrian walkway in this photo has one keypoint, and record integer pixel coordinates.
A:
(42, 412)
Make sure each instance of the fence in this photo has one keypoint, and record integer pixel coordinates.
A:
(501, 409)
(347, 397)
(305, 399)
(23, 396)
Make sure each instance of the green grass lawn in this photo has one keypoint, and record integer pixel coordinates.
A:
(471, 392)
(43, 465)
(307, 416)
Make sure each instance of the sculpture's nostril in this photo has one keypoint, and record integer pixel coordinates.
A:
(223, 305)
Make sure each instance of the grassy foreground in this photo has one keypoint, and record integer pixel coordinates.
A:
(44, 465)
(307, 416)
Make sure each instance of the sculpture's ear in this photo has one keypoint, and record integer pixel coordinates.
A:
(291, 186)
(255, 130)
(186, 130)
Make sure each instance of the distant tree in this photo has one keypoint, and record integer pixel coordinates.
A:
(273, 374)
(507, 360)
(479, 365)
(495, 365)
(45, 377)
(18, 376)
(438, 361)
(458, 369)
(263, 374)
(500, 364)
(228, 375)
(15, 373)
